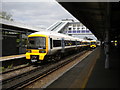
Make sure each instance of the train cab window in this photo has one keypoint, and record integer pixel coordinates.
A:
(68, 43)
(56, 43)
(36, 43)
(92, 43)
(78, 42)
(73, 43)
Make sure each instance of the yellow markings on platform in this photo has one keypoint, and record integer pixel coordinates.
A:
(89, 72)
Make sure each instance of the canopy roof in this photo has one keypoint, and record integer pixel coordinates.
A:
(99, 17)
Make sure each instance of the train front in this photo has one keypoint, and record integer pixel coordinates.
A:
(37, 47)
(93, 44)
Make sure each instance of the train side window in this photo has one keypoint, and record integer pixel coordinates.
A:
(50, 43)
(78, 42)
(68, 43)
(56, 43)
(73, 43)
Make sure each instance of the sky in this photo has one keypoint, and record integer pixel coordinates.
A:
(41, 14)
(38, 13)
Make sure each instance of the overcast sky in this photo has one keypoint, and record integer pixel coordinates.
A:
(40, 13)
(36, 13)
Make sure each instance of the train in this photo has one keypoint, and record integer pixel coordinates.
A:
(43, 46)
(93, 44)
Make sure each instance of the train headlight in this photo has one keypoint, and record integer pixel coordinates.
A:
(42, 51)
(28, 51)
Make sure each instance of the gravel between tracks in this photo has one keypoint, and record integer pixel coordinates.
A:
(44, 82)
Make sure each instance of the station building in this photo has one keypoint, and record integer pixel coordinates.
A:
(14, 36)
(72, 28)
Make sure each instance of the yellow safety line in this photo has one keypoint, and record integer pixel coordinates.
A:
(89, 73)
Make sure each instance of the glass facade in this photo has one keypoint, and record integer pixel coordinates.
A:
(78, 32)
(76, 28)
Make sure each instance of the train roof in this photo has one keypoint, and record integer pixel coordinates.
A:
(93, 40)
(85, 40)
(54, 34)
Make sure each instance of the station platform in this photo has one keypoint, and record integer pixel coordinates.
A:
(90, 73)
(106, 78)
(5, 58)
(13, 60)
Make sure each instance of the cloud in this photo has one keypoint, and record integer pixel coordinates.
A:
(36, 13)
(28, 0)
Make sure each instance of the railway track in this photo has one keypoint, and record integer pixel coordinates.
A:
(26, 78)
(14, 69)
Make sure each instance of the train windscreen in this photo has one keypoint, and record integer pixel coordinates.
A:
(92, 43)
(36, 43)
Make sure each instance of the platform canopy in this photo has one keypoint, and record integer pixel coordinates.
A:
(17, 26)
(99, 17)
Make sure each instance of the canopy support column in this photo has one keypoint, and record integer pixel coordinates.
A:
(107, 35)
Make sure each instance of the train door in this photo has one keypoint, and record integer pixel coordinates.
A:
(63, 45)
